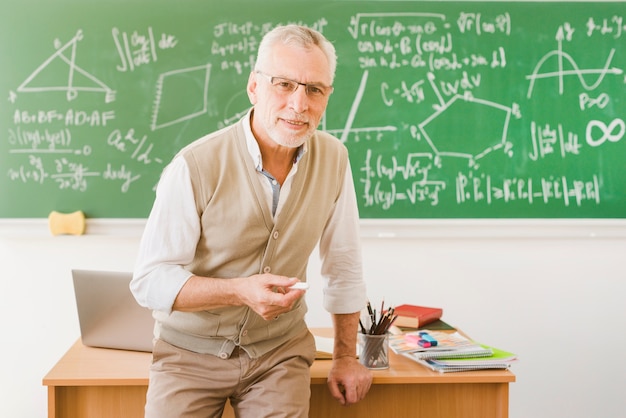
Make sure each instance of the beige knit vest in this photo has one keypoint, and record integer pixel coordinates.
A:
(240, 237)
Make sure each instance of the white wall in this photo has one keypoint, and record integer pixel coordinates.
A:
(551, 292)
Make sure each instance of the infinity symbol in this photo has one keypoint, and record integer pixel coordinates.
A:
(613, 133)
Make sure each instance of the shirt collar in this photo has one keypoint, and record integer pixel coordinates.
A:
(253, 146)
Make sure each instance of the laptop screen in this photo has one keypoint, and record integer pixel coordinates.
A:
(108, 314)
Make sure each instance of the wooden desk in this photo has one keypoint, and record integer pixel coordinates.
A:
(94, 382)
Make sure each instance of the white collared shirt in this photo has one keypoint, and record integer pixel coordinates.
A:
(159, 273)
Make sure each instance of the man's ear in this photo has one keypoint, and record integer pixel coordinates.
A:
(251, 88)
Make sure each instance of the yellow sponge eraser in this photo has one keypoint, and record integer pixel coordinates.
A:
(66, 223)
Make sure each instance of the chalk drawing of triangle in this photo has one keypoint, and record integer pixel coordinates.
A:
(60, 73)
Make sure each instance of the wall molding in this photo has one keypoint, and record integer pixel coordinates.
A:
(494, 228)
(378, 228)
(38, 227)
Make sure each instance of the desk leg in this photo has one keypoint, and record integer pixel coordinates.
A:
(52, 409)
(502, 400)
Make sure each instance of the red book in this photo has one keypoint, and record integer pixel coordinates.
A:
(414, 316)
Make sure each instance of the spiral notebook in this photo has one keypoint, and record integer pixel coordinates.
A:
(466, 352)
(499, 359)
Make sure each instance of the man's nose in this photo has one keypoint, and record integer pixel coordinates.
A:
(298, 100)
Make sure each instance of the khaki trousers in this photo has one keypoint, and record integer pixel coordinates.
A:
(187, 384)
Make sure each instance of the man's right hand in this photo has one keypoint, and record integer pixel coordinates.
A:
(269, 295)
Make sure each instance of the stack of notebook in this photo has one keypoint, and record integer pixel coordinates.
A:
(449, 352)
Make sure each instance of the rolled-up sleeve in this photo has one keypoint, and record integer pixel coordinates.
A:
(340, 253)
(168, 242)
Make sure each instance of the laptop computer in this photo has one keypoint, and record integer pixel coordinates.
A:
(108, 314)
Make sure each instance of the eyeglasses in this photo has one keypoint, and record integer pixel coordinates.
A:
(287, 86)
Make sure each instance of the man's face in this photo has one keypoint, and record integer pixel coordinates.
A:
(288, 118)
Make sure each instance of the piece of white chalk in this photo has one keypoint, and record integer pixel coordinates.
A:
(300, 286)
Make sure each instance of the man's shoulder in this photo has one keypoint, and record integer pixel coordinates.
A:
(324, 138)
(213, 139)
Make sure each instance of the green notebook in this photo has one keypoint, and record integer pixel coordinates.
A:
(499, 359)
(497, 356)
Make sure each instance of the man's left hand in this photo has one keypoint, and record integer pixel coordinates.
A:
(348, 380)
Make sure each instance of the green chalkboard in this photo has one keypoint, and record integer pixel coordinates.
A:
(448, 109)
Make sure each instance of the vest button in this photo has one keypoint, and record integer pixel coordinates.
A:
(223, 356)
(267, 269)
(275, 234)
(244, 333)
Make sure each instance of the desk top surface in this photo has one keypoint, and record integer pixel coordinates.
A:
(89, 366)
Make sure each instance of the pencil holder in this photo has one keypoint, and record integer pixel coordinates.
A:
(374, 351)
